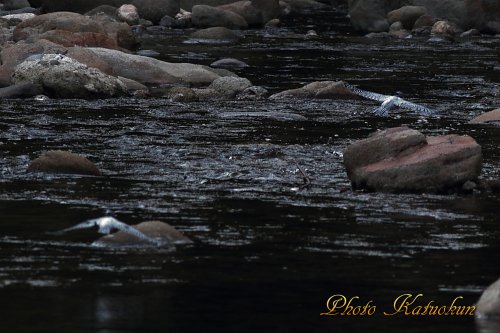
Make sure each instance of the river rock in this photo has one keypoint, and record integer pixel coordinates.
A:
(208, 16)
(488, 117)
(61, 76)
(228, 63)
(443, 28)
(216, 33)
(256, 12)
(229, 86)
(59, 161)
(407, 15)
(305, 6)
(21, 90)
(152, 71)
(368, 15)
(488, 305)
(163, 232)
(128, 14)
(319, 89)
(15, 4)
(71, 29)
(404, 160)
(425, 20)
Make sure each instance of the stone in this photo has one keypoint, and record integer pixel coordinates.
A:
(64, 77)
(150, 71)
(128, 14)
(369, 16)
(255, 13)
(319, 89)
(216, 33)
(425, 20)
(229, 86)
(58, 161)
(252, 93)
(206, 16)
(71, 29)
(157, 230)
(305, 6)
(407, 15)
(488, 305)
(404, 160)
(229, 63)
(470, 33)
(109, 11)
(21, 90)
(15, 4)
(443, 28)
(488, 117)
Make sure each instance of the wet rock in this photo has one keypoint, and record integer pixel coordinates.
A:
(181, 94)
(13, 55)
(320, 89)
(148, 53)
(488, 305)
(15, 4)
(58, 161)
(252, 93)
(21, 90)
(397, 29)
(61, 76)
(71, 29)
(404, 160)
(369, 15)
(443, 28)
(256, 12)
(304, 6)
(108, 10)
(128, 14)
(206, 94)
(216, 33)
(150, 71)
(407, 15)
(18, 17)
(229, 63)
(425, 20)
(134, 88)
(208, 16)
(167, 235)
(273, 23)
(488, 117)
(229, 86)
(470, 33)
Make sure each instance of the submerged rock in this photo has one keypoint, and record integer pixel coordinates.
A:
(59, 161)
(404, 160)
(228, 63)
(61, 76)
(167, 235)
(216, 33)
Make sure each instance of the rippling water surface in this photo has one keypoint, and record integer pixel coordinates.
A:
(268, 250)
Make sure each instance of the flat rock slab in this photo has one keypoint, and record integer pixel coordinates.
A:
(163, 232)
(404, 160)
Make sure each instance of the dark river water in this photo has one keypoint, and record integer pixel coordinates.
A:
(268, 251)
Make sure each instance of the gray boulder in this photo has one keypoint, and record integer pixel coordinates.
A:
(58, 161)
(404, 160)
(407, 15)
(488, 117)
(152, 71)
(167, 235)
(488, 305)
(208, 16)
(229, 86)
(61, 76)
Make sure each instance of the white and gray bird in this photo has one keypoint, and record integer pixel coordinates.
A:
(388, 102)
(106, 224)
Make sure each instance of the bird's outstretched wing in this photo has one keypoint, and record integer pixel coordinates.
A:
(413, 107)
(367, 94)
(84, 225)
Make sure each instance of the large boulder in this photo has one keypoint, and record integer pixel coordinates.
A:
(407, 15)
(152, 10)
(148, 70)
(61, 76)
(208, 16)
(164, 233)
(70, 29)
(256, 12)
(229, 86)
(59, 161)
(404, 160)
(488, 117)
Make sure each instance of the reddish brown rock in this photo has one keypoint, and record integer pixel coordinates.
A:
(86, 31)
(488, 117)
(58, 161)
(319, 89)
(163, 232)
(403, 160)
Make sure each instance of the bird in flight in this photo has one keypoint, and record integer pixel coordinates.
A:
(388, 102)
(106, 224)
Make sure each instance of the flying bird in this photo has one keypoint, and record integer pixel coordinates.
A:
(106, 224)
(388, 102)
